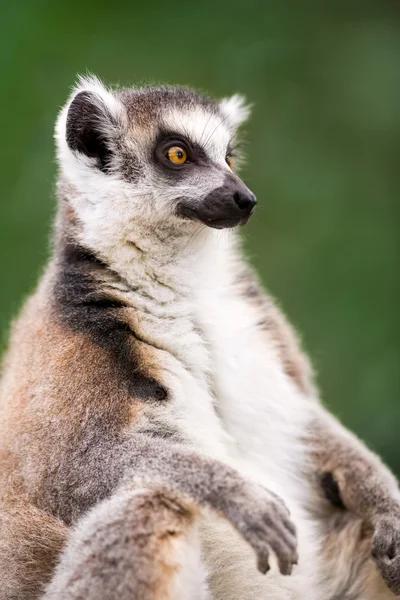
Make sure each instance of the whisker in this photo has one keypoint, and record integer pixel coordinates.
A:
(194, 235)
(219, 238)
(207, 236)
(214, 130)
(205, 127)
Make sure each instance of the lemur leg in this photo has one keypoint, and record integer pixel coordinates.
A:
(349, 572)
(353, 477)
(138, 545)
(30, 543)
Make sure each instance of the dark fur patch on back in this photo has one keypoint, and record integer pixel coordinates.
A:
(80, 303)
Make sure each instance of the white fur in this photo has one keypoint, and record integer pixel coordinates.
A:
(207, 129)
(230, 395)
(236, 110)
(191, 580)
(255, 419)
(108, 104)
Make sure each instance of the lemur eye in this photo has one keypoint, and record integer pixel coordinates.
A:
(229, 161)
(177, 155)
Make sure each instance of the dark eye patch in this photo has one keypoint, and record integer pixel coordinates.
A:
(196, 155)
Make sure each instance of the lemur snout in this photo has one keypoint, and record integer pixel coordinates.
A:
(229, 205)
(245, 202)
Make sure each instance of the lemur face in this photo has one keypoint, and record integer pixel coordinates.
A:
(159, 155)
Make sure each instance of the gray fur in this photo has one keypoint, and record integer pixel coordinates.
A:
(88, 447)
(386, 549)
(110, 544)
(107, 465)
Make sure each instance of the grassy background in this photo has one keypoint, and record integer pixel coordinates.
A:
(324, 79)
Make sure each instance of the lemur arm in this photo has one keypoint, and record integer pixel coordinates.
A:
(141, 461)
(354, 478)
(351, 474)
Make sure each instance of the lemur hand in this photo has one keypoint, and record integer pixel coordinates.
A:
(386, 549)
(264, 521)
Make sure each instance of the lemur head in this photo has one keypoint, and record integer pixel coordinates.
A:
(151, 155)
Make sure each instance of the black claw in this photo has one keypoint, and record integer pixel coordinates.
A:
(263, 565)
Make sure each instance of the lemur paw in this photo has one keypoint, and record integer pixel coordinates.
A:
(264, 521)
(386, 551)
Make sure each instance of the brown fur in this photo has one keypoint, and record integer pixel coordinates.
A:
(143, 532)
(83, 427)
(65, 409)
(73, 432)
(361, 483)
(347, 549)
(30, 543)
(346, 475)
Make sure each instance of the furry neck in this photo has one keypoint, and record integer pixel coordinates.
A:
(169, 260)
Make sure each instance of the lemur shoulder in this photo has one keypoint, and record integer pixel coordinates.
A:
(158, 417)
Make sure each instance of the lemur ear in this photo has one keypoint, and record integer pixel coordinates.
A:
(90, 121)
(235, 110)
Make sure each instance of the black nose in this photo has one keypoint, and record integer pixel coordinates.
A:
(245, 201)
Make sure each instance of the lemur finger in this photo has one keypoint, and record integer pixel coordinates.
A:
(263, 562)
(286, 556)
(386, 551)
(283, 547)
(284, 519)
(284, 530)
(279, 501)
(285, 565)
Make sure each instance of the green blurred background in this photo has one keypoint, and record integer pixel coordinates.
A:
(324, 80)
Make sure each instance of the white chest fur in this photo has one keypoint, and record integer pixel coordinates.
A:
(229, 389)
(230, 396)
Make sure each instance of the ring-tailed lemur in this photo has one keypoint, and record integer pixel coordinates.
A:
(155, 404)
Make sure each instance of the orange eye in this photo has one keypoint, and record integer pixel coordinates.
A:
(229, 161)
(177, 155)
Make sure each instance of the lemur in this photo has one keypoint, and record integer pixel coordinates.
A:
(161, 433)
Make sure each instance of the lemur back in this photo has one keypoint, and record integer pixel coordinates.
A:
(157, 412)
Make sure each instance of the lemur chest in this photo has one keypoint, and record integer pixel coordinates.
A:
(177, 340)
(181, 358)
(229, 393)
(260, 409)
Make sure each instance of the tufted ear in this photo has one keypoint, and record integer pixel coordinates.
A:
(89, 122)
(235, 110)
